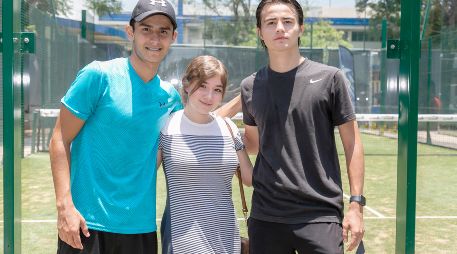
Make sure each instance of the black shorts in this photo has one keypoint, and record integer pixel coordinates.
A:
(101, 242)
(278, 238)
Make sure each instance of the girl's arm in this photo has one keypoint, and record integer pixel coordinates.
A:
(245, 166)
(159, 158)
(243, 157)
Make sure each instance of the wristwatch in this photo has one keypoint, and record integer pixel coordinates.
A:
(359, 199)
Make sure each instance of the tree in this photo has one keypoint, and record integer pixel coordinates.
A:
(104, 7)
(443, 14)
(324, 36)
(449, 8)
(54, 7)
(235, 33)
(435, 19)
(240, 30)
(63, 7)
(389, 9)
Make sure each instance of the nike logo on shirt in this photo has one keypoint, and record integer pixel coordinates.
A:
(312, 81)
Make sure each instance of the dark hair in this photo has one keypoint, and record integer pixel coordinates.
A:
(296, 5)
(199, 70)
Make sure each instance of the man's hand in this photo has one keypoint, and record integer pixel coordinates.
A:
(69, 221)
(353, 222)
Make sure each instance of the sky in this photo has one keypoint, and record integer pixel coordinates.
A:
(128, 5)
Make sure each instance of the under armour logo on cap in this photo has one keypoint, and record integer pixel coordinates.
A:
(146, 8)
(163, 2)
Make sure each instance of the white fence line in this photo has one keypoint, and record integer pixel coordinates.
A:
(392, 117)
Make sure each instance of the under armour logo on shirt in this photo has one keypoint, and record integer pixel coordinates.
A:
(163, 2)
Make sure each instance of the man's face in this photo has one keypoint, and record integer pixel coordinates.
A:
(279, 27)
(152, 38)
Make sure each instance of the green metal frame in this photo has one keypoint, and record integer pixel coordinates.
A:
(12, 126)
(407, 126)
(84, 24)
(429, 83)
(383, 65)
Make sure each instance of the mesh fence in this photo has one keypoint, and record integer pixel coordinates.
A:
(60, 53)
(437, 95)
(437, 92)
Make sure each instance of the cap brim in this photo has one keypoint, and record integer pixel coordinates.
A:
(152, 13)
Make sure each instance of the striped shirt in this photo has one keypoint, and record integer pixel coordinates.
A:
(199, 161)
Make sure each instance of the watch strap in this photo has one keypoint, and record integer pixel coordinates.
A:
(358, 198)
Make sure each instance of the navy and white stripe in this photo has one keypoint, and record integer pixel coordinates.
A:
(199, 161)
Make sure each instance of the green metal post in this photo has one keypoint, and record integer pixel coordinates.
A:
(407, 126)
(429, 62)
(429, 81)
(11, 127)
(22, 108)
(383, 76)
(23, 11)
(84, 24)
(427, 15)
(383, 65)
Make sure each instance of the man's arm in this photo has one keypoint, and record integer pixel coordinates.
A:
(69, 220)
(353, 150)
(251, 133)
(251, 139)
(231, 108)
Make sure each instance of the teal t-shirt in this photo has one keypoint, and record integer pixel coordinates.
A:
(113, 158)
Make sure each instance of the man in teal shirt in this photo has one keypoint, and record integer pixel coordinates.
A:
(104, 145)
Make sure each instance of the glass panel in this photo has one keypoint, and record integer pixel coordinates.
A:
(436, 228)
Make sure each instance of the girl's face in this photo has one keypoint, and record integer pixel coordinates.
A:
(207, 97)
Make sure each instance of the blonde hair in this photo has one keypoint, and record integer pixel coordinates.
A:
(199, 70)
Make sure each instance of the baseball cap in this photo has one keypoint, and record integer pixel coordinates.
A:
(146, 8)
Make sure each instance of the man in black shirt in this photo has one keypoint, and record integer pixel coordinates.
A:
(290, 109)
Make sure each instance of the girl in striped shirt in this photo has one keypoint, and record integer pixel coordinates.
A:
(199, 158)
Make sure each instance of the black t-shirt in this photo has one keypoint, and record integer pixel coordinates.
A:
(297, 175)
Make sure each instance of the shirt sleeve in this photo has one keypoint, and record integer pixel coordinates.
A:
(84, 93)
(177, 99)
(161, 137)
(342, 108)
(239, 145)
(246, 95)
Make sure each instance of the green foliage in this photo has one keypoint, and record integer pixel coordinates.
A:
(449, 13)
(238, 7)
(235, 33)
(104, 7)
(54, 7)
(443, 15)
(63, 7)
(240, 30)
(389, 9)
(324, 36)
(435, 19)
